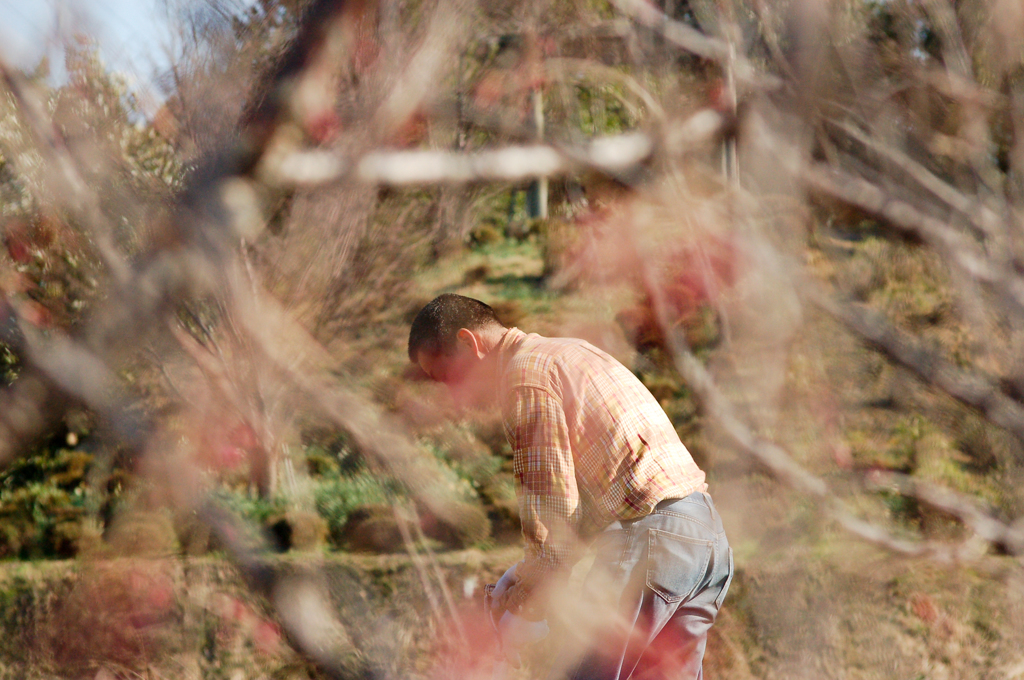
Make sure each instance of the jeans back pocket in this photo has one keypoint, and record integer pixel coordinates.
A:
(676, 564)
(728, 582)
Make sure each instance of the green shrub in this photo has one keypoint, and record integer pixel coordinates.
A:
(337, 497)
(44, 499)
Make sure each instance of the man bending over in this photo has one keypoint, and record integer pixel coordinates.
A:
(596, 460)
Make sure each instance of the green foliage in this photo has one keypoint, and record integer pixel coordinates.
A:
(903, 509)
(602, 110)
(256, 510)
(337, 497)
(348, 495)
(44, 500)
(8, 365)
(493, 211)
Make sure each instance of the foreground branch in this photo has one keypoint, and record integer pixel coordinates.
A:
(297, 356)
(970, 388)
(1009, 538)
(678, 33)
(299, 597)
(198, 242)
(782, 466)
(611, 155)
(954, 245)
(974, 209)
(65, 181)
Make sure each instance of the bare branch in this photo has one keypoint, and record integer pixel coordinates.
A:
(784, 468)
(66, 183)
(943, 16)
(780, 463)
(299, 597)
(302, 360)
(681, 35)
(872, 533)
(418, 81)
(612, 155)
(703, 126)
(981, 216)
(954, 245)
(974, 389)
(967, 510)
(403, 522)
(199, 244)
(575, 69)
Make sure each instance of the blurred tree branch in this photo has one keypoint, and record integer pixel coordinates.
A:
(612, 155)
(972, 388)
(329, 109)
(957, 248)
(784, 468)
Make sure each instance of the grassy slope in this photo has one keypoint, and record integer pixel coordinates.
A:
(808, 601)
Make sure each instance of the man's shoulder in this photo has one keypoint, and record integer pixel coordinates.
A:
(540, 349)
(536, 359)
(535, 352)
(546, 362)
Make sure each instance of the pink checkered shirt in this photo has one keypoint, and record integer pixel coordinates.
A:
(591, 445)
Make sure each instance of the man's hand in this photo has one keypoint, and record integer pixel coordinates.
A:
(495, 606)
(516, 632)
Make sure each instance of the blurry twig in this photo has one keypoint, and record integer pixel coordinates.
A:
(302, 361)
(1008, 537)
(612, 155)
(981, 216)
(954, 54)
(872, 533)
(66, 182)
(780, 463)
(563, 67)
(199, 242)
(161, 364)
(298, 597)
(954, 245)
(974, 389)
(784, 468)
(681, 35)
(418, 80)
(701, 127)
(403, 523)
(695, 42)
(442, 583)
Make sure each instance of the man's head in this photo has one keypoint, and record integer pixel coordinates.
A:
(451, 339)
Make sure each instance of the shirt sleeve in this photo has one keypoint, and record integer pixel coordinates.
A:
(545, 482)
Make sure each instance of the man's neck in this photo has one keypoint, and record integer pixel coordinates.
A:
(490, 338)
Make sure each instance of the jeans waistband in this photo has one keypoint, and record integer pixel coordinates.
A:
(665, 503)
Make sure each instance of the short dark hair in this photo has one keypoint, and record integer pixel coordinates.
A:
(435, 328)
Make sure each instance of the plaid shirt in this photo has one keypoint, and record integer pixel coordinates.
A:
(591, 445)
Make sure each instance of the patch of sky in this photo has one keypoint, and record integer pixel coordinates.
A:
(137, 39)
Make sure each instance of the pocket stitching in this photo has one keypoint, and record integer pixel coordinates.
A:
(626, 544)
(720, 600)
(679, 515)
(652, 533)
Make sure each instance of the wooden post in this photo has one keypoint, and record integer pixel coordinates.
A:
(537, 194)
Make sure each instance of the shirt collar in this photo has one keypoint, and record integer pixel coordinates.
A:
(507, 346)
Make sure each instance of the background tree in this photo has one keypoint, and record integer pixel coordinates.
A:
(797, 221)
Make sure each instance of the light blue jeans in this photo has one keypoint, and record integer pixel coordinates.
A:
(673, 568)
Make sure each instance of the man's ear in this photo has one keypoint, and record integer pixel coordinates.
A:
(471, 340)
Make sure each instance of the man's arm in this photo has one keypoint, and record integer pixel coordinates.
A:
(546, 488)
